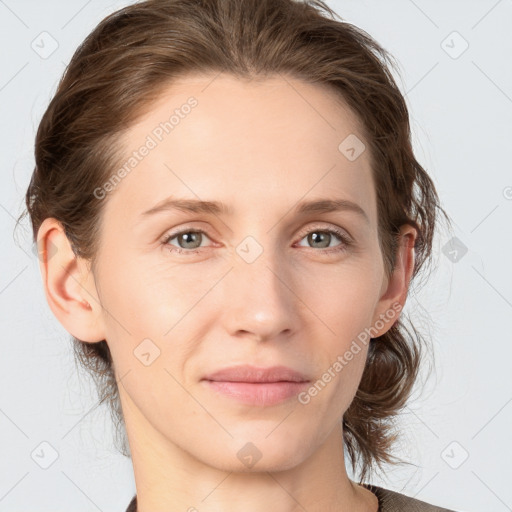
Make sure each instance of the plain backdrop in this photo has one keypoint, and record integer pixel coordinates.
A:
(456, 73)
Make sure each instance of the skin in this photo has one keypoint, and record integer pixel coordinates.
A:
(260, 147)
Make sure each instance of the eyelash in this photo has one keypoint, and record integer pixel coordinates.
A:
(346, 241)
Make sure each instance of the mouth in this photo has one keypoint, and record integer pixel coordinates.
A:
(257, 386)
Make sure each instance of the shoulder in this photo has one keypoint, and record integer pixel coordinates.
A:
(392, 501)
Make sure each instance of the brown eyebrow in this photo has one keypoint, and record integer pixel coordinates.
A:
(218, 208)
(190, 205)
(330, 205)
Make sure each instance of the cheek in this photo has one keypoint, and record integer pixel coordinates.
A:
(344, 296)
(141, 293)
(343, 304)
(151, 309)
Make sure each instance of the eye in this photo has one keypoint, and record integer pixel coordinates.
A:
(324, 237)
(189, 240)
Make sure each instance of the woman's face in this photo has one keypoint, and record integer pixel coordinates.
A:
(258, 280)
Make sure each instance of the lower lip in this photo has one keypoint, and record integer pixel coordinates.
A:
(258, 393)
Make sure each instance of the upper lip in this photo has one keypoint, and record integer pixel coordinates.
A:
(247, 373)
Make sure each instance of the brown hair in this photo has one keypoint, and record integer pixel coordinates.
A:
(136, 52)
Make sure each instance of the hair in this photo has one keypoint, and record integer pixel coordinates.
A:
(134, 54)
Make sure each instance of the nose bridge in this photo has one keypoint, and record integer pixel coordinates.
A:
(258, 268)
(259, 298)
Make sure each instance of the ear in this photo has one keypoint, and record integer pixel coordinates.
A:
(69, 284)
(394, 291)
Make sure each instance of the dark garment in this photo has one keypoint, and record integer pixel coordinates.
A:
(132, 507)
(389, 501)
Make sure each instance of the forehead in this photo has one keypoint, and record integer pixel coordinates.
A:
(245, 142)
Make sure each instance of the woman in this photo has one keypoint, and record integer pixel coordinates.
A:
(193, 156)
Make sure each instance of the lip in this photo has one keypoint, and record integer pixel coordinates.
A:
(257, 386)
(254, 374)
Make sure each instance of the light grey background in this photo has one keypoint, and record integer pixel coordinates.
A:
(461, 107)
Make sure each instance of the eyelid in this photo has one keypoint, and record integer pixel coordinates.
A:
(330, 227)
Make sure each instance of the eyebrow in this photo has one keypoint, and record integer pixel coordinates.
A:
(218, 208)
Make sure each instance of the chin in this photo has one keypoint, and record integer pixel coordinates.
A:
(255, 452)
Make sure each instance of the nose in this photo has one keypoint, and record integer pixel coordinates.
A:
(259, 298)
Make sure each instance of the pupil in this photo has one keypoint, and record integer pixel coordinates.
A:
(187, 236)
(317, 237)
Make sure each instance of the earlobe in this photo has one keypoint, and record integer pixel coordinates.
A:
(395, 294)
(69, 284)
